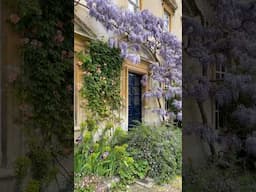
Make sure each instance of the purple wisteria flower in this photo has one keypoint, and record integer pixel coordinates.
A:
(179, 116)
(144, 80)
(79, 139)
(143, 29)
(221, 44)
(104, 155)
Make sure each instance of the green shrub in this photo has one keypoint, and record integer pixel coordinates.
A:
(108, 157)
(33, 186)
(21, 167)
(160, 147)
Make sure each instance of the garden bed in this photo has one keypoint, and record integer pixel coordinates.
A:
(133, 157)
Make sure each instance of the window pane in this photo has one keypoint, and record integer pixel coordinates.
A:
(166, 20)
(221, 120)
(131, 7)
(223, 68)
(216, 120)
(217, 67)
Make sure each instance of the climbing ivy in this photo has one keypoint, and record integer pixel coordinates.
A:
(44, 88)
(101, 80)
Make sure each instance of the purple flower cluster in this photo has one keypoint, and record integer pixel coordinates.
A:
(143, 28)
(144, 80)
(222, 40)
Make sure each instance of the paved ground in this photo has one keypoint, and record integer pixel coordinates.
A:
(174, 186)
(146, 185)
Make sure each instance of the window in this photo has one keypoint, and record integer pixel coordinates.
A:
(219, 113)
(167, 20)
(219, 117)
(169, 8)
(133, 5)
(220, 71)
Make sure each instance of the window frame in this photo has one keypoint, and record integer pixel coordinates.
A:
(136, 6)
(219, 74)
(167, 8)
(217, 116)
(169, 20)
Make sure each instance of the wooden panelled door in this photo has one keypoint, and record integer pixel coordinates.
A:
(134, 99)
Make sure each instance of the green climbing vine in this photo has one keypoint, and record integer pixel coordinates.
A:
(101, 81)
(44, 89)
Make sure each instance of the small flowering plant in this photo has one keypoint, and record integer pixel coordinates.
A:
(106, 157)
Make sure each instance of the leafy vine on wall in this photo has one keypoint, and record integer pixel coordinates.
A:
(101, 80)
(44, 88)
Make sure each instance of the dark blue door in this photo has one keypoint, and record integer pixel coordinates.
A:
(134, 112)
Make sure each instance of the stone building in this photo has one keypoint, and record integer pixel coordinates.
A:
(87, 29)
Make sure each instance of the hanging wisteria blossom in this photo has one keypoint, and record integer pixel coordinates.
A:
(142, 28)
(221, 44)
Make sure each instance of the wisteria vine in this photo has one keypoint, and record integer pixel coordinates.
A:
(142, 28)
(223, 37)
